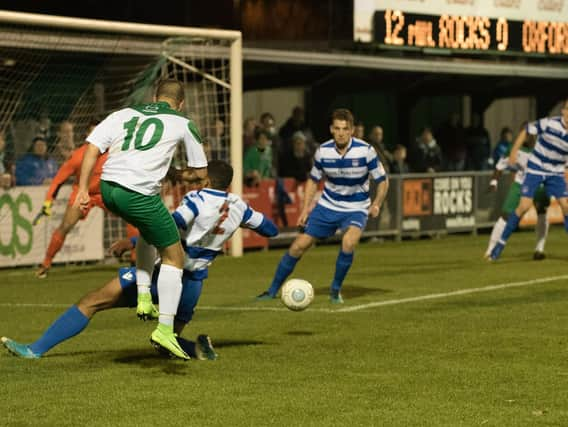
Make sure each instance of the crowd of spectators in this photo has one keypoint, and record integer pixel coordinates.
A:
(269, 151)
(288, 152)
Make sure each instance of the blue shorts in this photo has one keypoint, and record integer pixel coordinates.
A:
(324, 222)
(554, 185)
(190, 292)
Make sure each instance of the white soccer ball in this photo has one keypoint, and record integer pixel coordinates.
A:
(297, 294)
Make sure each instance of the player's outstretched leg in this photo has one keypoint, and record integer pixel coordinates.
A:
(342, 266)
(145, 259)
(71, 217)
(169, 294)
(285, 267)
(287, 264)
(541, 234)
(55, 244)
(343, 263)
(495, 235)
(66, 326)
(512, 224)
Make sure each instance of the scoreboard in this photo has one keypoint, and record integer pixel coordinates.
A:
(470, 33)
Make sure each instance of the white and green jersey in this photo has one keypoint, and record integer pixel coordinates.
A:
(141, 142)
(520, 167)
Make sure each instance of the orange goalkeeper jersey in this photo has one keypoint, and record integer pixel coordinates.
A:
(73, 167)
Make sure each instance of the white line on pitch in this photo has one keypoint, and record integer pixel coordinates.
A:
(348, 309)
(453, 293)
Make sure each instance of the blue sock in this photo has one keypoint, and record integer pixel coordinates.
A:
(342, 265)
(285, 268)
(512, 224)
(66, 326)
(566, 223)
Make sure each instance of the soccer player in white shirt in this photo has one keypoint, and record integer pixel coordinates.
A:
(546, 165)
(207, 219)
(141, 141)
(345, 163)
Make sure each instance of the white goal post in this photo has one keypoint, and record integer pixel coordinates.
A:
(208, 61)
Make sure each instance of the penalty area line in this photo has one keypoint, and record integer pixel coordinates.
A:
(452, 293)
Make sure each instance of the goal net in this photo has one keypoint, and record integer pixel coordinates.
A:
(59, 76)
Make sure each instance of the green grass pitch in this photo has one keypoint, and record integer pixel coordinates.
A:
(495, 358)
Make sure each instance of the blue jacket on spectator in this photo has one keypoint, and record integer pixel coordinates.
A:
(32, 169)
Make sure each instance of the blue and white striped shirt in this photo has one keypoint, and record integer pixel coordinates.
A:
(346, 185)
(207, 219)
(551, 150)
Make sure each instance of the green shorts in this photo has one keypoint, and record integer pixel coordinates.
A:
(541, 200)
(147, 213)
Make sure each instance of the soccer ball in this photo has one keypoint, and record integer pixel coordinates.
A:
(297, 294)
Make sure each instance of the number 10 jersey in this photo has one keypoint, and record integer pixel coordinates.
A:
(141, 141)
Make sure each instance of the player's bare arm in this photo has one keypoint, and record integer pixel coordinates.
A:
(382, 190)
(516, 146)
(90, 157)
(310, 192)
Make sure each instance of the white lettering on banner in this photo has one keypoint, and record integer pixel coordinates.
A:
(460, 221)
(411, 224)
(453, 195)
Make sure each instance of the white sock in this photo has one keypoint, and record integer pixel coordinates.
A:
(145, 259)
(169, 293)
(541, 232)
(496, 234)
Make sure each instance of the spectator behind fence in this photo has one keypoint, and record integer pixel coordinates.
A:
(216, 140)
(451, 138)
(249, 127)
(376, 139)
(295, 123)
(427, 155)
(399, 164)
(478, 145)
(35, 167)
(5, 173)
(503, 145)
(297, 162)
(257, 163)
(65, 141)
(359, 130)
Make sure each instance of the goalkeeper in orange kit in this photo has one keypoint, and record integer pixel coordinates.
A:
(73, 214)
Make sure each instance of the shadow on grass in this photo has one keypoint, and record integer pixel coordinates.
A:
(152, 359)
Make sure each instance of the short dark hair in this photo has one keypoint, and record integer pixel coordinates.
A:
(342, 114)
(220, 174)
(170, 88)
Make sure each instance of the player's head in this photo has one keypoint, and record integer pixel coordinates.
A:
(341, 126)
(220, 174)
(170, 91)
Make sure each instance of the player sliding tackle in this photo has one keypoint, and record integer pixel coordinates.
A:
(345, 164)
(206, 219)
(545, 166)
(141, 142)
